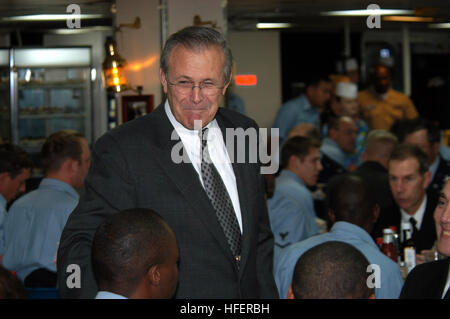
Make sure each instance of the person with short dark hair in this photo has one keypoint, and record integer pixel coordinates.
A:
(135, 256)
(10, 286)
(291, 209)
(305, 108)
(332, 270)
(408, 179)
(15, 169)
(427, 136)
(380, 104)
(353, 212)
(35, 221)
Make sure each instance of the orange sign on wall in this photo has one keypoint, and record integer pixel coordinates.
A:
(246, 80)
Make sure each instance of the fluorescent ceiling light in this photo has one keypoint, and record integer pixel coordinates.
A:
(52, 17)
(440, 25)
(367, 12)
(408, 19)
(273, 25)
(81, 30)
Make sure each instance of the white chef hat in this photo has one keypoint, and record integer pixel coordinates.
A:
(347, 90)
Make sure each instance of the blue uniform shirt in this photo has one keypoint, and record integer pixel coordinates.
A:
(291, 211)
(294, 112)
(108, 295)
(333, 151)
(2, 224)
(34, 225)
(391, 278)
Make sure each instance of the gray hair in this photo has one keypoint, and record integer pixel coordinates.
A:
(375, 135)
(197, 38)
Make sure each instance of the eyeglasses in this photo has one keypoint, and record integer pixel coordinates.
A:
(186, 87)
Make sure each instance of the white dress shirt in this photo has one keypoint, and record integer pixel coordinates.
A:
(418, 216)
(218, 154)
(447, 285)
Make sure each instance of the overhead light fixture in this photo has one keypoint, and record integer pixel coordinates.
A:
(113, 67)
(366, 12)
(439, 26)
(408, 19)
(81, 30)
(51, 17)
(273, 25)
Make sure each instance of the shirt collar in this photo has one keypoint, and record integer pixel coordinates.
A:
(292, 176)
(351, 230)
(59, 185)
(418, 215)
(108, 295)
(333, 151)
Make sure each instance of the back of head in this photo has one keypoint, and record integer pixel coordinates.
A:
(380, 144)
(58, 147)
(126, 245)
(350, 200)
(299, 146)
(10, 286)
(332, 270)
(13, 159)
(197, 38)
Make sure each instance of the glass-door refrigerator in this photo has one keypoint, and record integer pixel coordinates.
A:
(49, 90)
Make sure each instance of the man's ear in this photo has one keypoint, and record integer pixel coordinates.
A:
(154, 275)
(162, 78)
(290, 294)
(5, 176)
(427, 179)
(224, 90)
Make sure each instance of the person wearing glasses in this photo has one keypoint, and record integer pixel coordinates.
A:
(174, 161)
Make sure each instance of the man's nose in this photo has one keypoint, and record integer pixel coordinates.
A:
(196, 94)
(319, 166)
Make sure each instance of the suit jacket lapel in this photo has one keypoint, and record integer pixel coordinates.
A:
(186, 179)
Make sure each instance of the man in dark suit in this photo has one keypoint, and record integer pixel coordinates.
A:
(431, 280)
(408, 178)
(427, 137)
(214, 203)
(379, 146)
